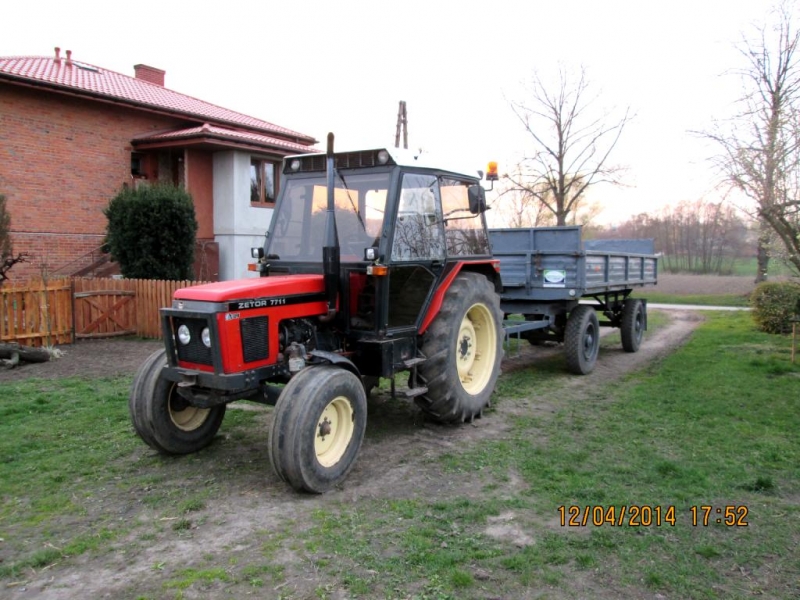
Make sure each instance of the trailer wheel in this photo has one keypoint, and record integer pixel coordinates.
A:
(582, 340)
(632, 325)
(165, 420)
(317, 428)
(464, 349)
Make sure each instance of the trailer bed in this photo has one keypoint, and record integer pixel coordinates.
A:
(552, 263)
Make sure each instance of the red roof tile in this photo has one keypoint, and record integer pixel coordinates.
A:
(83, 78)
(215, 132)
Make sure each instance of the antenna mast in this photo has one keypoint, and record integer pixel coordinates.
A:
(402, 123)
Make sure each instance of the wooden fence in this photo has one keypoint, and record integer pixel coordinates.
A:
(58, 311)
(36, 313)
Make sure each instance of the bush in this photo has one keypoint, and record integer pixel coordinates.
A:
(151, 232)
(774, 304)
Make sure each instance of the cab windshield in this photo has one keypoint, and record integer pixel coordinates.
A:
(299, 225)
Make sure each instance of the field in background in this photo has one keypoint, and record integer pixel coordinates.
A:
(707, 290)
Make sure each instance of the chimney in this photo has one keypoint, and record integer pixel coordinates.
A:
(69, 58)
(150, 74)
(57, 59)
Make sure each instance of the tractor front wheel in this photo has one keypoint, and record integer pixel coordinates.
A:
(464, 348)
(317, 428)
(163, 418)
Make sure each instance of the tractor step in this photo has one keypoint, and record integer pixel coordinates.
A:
(413, 362)
(414, 392)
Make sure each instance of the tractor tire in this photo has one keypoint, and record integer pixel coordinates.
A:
(137, 406)
(317, 428)
(582, 340)
(464, 348)
(632, 325)
(165, 420)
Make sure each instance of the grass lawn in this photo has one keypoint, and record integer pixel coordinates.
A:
(710, 433)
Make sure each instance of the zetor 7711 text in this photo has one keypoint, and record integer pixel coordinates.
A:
(376, 264)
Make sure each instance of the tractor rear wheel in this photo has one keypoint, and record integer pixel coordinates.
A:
(582, 340)
(317, 428)
(464, 348)
(164, 419)
(632, 325)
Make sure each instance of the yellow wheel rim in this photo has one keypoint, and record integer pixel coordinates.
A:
(184, 416)
(334, 431)
(476, 348)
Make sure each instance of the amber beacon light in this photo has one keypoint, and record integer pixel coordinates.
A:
(491, 171)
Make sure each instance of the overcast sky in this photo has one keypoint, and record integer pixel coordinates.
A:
(343, 66)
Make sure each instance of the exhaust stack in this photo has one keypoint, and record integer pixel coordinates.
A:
(330, 251)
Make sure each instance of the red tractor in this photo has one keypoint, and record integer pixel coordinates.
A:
(376, 263)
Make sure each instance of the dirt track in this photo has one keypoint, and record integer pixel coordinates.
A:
(395, 463)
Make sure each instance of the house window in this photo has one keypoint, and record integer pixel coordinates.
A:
(137, 164)
(263, 183)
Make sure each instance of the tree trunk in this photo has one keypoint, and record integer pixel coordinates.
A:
(762, 254)
(16, 353)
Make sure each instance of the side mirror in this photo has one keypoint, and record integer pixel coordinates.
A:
(477, 199)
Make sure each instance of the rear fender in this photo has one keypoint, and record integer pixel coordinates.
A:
(489, 268)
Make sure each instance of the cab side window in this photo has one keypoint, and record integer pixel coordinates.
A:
(463, 230)
(418, 227)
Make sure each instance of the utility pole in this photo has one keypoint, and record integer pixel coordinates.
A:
(402, 122)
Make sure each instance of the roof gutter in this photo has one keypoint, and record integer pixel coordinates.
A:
(219, 141)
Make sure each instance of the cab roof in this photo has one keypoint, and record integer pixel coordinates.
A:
(369, 158)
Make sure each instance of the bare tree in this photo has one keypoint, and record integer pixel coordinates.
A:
(760, 145)
(571, 143)
(518, 207)
(7, 257)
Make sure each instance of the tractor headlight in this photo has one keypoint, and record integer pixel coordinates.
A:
(205, 335)
(184, 335)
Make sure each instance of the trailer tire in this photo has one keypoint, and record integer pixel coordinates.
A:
(464, 348)
(582, 340)
(318, 403)
(632, 325)
(165, 420)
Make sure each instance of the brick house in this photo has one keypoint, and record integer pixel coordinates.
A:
(72, 134)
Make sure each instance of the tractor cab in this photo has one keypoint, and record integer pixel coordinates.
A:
(402, 225)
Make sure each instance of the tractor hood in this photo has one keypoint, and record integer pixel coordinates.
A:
(263, 287)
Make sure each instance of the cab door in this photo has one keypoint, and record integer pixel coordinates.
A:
(418, 249)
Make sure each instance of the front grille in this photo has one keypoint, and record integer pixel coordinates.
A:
(195, 351)
(255, 343)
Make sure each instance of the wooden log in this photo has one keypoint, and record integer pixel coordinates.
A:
(24, 353)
